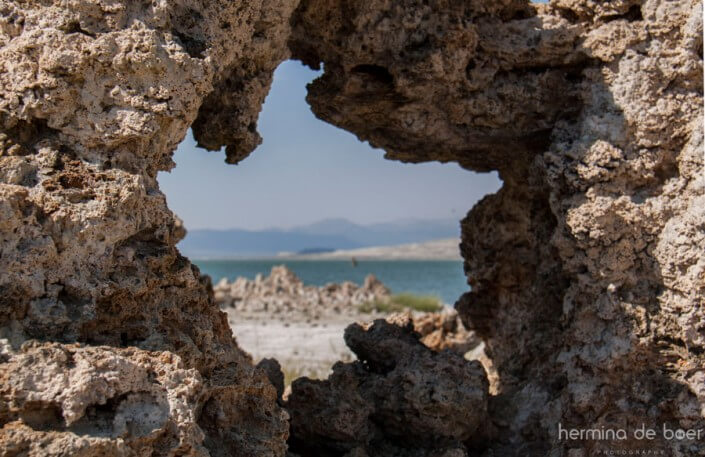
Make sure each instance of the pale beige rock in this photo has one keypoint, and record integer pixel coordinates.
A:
(95, 96)
(122, 401)
(443, 330)
(282, 295)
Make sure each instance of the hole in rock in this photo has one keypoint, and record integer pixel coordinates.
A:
(98, 420)
(194, 47)
(330, 209)
(632, 14)
(376, 72)
(42, 416)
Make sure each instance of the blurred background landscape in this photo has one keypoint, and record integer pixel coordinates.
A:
(318, 200)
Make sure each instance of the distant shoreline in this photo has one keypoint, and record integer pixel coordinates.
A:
(445, 249)
(436, 250)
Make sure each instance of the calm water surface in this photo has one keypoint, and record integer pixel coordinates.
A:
(442, 278)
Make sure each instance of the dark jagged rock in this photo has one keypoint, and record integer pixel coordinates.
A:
(392, 397)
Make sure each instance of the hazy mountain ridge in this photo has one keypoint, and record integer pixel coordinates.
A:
(328, 234)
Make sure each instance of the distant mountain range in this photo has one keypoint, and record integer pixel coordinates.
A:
(322, 236)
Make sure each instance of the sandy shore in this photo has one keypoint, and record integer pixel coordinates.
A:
(302, 348)
(303, 327)
(306, 347)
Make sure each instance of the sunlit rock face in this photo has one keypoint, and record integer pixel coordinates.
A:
(95, 97)
(587, 267)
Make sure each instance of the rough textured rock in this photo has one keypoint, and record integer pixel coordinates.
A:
(443, 330)
(437, 80)
(606, 307)
(95, 96)
(59, 399)
(586, 266)
(273, 370)
(587, 273)
(391, 401)
(283, 295)
(228, 115)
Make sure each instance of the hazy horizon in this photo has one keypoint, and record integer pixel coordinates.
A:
(327, 219)
(307, 170)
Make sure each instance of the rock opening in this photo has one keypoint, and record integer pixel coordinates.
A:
(586, 267)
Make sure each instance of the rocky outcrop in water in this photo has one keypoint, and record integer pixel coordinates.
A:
(282, 295)
(586, 268)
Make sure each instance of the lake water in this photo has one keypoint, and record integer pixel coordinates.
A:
(442, 278)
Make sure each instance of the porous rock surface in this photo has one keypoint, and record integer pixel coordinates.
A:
(587, 267)
(59, 398)
(443, 330)
(95, 96)
(393, 393)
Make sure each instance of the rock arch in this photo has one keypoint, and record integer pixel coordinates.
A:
(587, 267)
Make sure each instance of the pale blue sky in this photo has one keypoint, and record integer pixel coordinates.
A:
(307, 170)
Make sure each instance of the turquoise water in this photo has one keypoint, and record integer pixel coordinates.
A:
(442, 278)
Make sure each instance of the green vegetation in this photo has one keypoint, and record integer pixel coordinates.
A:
(400, 302)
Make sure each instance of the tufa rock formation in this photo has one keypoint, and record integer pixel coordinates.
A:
(587, 273)
(282, 295)
(95, 97)
(71, 399)
(391, 400)
(441, 330)
(586, 267)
